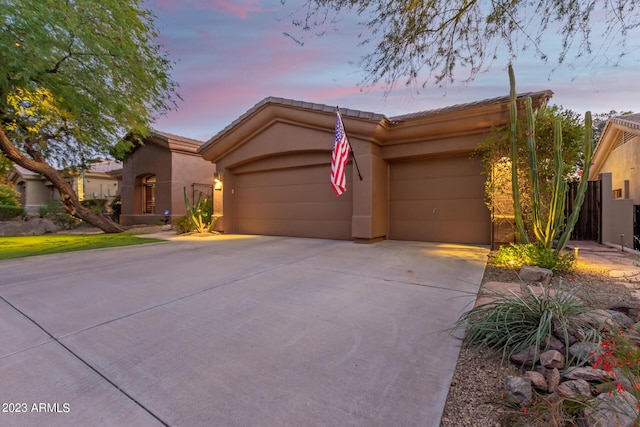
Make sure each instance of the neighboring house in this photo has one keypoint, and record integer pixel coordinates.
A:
(616, 161)
(100, 181)
(155, 175)
(33, 188)
(420, 180)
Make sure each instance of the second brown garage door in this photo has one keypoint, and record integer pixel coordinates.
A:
(295, 202)
(438, 200)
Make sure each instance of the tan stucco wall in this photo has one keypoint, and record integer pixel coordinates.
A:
(34, 193)
(149, 159)
(287, 144)
(617, 216)
(278, 135)
(173, 170)
(100, 187)
(187, 169)
(623, 163)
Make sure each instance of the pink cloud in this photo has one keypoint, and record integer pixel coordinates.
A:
(239, 9)
(232, 7)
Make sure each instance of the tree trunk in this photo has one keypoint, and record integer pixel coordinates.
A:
(68, 197)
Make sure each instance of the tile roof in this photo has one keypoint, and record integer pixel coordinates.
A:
(105, 166)
(629, 120)
(167, 136)
(347, 112)
(367, 115)
(546, 94)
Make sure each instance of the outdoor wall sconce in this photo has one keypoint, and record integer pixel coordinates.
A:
(217, 180)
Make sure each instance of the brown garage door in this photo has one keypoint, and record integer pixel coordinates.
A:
(438, 200)
(292, 202)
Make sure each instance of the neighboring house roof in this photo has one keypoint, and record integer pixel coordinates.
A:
(172, 142)
(177, 138)
(23, 172)
(176, 142)
(105, 166)
(630, 120)
(112, 168)
(618, 130)
(236, 130)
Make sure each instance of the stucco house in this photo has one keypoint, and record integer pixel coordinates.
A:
(616, 161)
(618, 153)
(419, 178)
(100, 181)
(155, 174)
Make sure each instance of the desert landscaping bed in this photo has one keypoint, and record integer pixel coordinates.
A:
(476, 396)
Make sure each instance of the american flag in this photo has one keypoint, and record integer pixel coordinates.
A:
(339, 158)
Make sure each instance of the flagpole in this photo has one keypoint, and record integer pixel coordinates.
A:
(353, 154)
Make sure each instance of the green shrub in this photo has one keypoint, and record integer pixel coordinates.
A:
(99, 206)
(184, 224)
(517, 255)
(54, 211)
(11, 212)
(116, 208)
(8, 195)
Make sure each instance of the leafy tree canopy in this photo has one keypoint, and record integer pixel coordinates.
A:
(600, 121)
(5, 168)
(8, 195)
(79, 74)
(436, 38)
(75, 77)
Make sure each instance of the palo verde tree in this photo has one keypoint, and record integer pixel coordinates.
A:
(439, 38)
(75, 77)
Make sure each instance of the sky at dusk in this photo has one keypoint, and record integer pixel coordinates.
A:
(229, 55)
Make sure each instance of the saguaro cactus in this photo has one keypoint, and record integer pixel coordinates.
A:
(515, 189)
(582, 187)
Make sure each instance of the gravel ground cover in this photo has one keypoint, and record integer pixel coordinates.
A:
(474, 396)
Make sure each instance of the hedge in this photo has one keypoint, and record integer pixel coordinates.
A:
(10, 212)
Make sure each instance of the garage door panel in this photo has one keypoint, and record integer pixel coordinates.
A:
(465, 187)
(437, 168)
(292, 202)
(292, 211)
(322, 192)
(439, 210)
(439, 200)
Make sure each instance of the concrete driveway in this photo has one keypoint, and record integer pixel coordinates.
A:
(234, 331)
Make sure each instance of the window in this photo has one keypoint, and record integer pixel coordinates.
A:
(617, 193)
(149, 194)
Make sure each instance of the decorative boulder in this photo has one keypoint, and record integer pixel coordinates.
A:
(574, 388)
(552, 359)
(519, 388)
(612, 410)
(587, 373)
(535, 274)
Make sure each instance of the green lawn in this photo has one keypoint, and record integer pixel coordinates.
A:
(24, 246)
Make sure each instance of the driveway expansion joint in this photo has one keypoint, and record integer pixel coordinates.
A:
(81, 360)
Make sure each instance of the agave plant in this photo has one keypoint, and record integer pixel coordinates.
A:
(199, 217)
